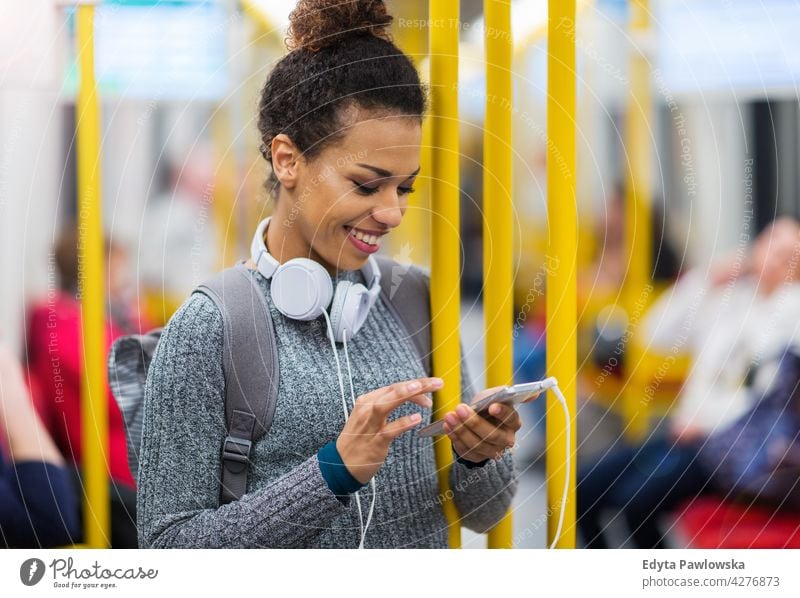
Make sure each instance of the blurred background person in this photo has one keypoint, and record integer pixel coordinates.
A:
(55, 364)
(736, 322)
(38, 507)
(600, 283)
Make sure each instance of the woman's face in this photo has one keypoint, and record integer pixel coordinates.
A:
(349, 196)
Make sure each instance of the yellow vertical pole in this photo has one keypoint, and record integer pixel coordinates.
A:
(445, 266)
(498, 285)
(638, 221)
(94, 401)
(561, 259)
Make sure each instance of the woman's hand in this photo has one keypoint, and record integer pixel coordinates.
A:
(478, 437)
(365, 439)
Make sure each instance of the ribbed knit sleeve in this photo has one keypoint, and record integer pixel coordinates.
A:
(179, 472)
(482, 494)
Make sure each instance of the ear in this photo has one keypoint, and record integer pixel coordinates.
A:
(285, 160)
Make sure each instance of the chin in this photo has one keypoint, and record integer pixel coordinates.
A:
(341, 258)
(351, 262)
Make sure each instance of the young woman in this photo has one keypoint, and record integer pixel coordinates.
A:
(340, 118)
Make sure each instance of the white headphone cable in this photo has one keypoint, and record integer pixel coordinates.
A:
(553, 384)
(372, 480)
(346, 416)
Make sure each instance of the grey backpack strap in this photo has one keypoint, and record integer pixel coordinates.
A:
(406, 292)
(250, 361)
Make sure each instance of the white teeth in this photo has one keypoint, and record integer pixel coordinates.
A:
(368, 239)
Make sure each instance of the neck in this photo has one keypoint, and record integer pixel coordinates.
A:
(284, 240)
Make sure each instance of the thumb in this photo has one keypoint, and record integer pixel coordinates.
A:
(486, 393)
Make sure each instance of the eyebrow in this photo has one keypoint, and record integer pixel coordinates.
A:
(385, 173)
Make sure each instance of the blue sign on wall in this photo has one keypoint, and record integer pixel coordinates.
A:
(161, 50)
(719, 45)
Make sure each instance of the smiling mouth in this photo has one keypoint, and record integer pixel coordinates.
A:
(365, 237)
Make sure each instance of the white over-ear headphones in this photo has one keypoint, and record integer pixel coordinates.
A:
(302, 289)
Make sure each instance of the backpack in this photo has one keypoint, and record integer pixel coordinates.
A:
(250, 360)
(757, 457)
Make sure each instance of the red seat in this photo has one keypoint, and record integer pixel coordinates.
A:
(711, 522)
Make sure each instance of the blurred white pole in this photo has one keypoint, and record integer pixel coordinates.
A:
(30, 156)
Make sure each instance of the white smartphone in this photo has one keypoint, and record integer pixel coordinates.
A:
(508, 395)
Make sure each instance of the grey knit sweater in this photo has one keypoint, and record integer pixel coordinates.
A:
(288, 503)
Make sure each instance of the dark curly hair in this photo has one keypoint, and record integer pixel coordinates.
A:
(340, 56)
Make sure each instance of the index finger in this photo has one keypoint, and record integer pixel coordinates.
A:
(390, 397)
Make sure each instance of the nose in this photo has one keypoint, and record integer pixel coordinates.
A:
(389, 212)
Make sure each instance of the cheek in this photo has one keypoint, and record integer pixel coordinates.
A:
(328, 197)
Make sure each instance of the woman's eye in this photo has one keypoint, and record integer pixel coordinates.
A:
(364, 189)
(367, 190)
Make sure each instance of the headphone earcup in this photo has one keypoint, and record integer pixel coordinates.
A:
(349, 309)
(301, 289)
(337, 308)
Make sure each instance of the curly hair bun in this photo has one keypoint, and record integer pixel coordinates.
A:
(317, 24)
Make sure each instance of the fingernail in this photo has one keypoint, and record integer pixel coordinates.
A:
(437, 382)
(462, 410)
(413, 386)
(451, 419)
(416, 418)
